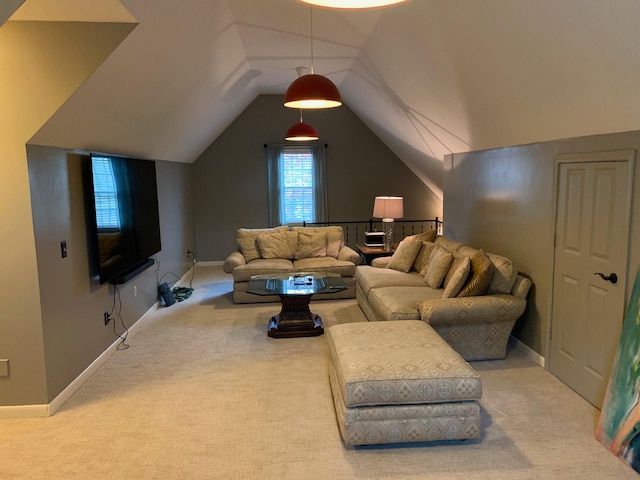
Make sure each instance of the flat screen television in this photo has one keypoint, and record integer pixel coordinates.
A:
(123, 223)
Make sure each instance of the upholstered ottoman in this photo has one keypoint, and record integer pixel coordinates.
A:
(399, 381)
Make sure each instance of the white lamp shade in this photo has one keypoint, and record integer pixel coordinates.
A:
(388, 207)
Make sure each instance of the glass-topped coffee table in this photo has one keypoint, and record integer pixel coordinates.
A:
(295, 291)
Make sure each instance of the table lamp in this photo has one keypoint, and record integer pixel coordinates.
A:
(388, 209)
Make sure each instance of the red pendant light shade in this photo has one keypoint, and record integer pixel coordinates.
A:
(354, 4)
(301, 132)
(312, 91)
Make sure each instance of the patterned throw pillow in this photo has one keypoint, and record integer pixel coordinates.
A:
(428, 236)
(246, 239)
(311, 244)
(458, 278)
(504, 274)
(448, 243)
(479, 277)
(439, 263)
(335, 237)
(278, 245)
(422, 260)
(458, 258)
(404, 256)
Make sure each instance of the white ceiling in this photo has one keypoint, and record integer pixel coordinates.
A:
(429, 77)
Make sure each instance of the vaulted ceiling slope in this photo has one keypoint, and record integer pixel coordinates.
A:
(429, 77)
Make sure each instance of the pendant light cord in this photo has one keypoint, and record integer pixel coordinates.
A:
(311, 30)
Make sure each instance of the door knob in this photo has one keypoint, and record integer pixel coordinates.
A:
(613, 278)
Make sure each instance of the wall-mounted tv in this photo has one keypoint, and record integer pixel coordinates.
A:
(123, 223)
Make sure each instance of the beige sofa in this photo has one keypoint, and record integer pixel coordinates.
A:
(290, 250)
(471, 298)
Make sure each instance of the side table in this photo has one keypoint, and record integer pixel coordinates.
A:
(370, 253)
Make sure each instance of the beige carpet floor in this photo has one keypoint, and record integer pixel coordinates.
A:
(203, 393)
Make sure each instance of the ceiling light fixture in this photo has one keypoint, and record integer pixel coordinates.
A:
(301, 132)
(353, 4)
(312, 90)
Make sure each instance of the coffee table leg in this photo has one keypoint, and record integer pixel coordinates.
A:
(295, 319)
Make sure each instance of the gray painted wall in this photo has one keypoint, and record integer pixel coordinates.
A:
(230, 182)
(503, 201)
(72, 304)
(227, 187)
(41, 65)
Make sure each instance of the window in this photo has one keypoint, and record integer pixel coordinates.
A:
(296, 192)
(106, 194)
(296, 184)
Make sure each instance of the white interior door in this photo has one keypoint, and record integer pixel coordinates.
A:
(592, 235)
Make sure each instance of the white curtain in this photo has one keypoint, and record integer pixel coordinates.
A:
(274, 178)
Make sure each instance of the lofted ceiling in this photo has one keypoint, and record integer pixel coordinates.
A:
(429, 77)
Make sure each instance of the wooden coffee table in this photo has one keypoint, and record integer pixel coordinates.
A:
(295, 291)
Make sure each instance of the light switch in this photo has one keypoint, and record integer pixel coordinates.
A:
(4, 367)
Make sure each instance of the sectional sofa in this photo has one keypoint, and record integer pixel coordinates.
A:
(470, 297)
(290, 250)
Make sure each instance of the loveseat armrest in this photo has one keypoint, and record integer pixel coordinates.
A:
(496, 308)
(234, 260)
(348, 254)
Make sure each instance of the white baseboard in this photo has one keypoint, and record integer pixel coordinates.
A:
(24, 411)
(528, 351)
(211, 264)
(46, 410)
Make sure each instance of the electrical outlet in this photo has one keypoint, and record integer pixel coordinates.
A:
(107, 318)
(190, 253)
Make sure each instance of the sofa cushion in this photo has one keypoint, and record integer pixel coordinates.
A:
(449, 244)
(369, 277)
(261, 266)
(400, 303)
(479, 277)
(467, 251)
(278, 245)
(311, 244)
(246, 239)
(422, 260)
(504, 274)
(334, 239)
(428, 236)
(461, 266)
(325, 264)
(439, 263)
(404, 256)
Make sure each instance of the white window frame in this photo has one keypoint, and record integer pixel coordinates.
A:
(105, 193)
(279, 188)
